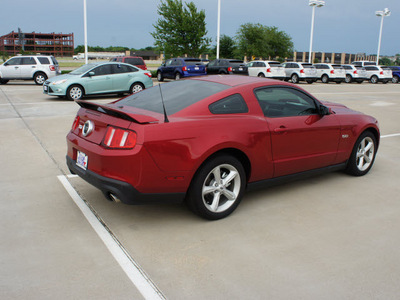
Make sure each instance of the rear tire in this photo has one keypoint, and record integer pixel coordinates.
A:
(136, 87)
(177, 76)
(3, 81)
(349, 79)
(325, 79)
(40, 78)
(363, 155)
(374, 79)
(217, 188)
(395, 79)
(261, 75)
(295, 78)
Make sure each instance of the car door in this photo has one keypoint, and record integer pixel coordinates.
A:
(28, 67)
(11, 69)
(122, 77)
(212, 67)
(168, 70)
(301, 139)
(100, 81)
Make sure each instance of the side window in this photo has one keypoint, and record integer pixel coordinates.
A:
(212, 64)
(44, 60)
(233, 104)
(251, 64)
(14, 61)
(102, 70)
(118, 69)
(285, 102)
(168, 62)
(296, 66)
(28, 61)
(262, 64)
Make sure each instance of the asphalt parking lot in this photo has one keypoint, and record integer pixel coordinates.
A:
(326, 237)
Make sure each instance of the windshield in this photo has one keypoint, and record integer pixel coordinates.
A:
(177, 95)
(83, 69)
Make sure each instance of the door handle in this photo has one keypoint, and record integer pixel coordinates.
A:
(281, 129)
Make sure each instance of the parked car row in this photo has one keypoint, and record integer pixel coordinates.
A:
(176, 68)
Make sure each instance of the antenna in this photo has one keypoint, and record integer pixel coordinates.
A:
(163, 105)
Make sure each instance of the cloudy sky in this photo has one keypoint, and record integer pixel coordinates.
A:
(340, 26)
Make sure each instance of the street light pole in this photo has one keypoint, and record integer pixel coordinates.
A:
(85, 30)
(218, 26)
(313, 4)
(384, 13)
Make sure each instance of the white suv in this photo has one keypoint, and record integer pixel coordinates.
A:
(355, 73)
(269, 69)
(297, 71)
(28, 67)
(330, 72)
(377, 74)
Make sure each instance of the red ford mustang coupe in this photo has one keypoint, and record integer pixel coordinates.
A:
(206, 140)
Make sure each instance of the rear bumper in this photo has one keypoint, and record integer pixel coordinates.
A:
(125, 192)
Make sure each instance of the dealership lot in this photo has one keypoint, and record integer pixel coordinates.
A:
(326, 237)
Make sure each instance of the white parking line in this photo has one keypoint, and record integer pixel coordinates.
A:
(135, 273)
(390, 135)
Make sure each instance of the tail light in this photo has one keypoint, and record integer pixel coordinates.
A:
(76, 123)
(148, 74)
(355, 72)
(302, 71)
(381, 73)
(269, 70)
(118, 138)
(184, 69)
(229, 69)
(332, 71)
(52, 68)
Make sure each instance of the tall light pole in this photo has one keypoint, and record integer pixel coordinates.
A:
(313, 4)
(85, 30)
(380, 13)
(218, 26)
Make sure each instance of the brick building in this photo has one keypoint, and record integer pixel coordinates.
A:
(57, 44)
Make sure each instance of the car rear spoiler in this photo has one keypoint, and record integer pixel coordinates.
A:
(137, 118)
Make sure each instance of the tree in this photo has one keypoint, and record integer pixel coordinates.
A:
(227, 46)
(263, 41)
(180, 30)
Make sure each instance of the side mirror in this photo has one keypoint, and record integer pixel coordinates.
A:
(324, 110)
(91, 74)
(163, 65)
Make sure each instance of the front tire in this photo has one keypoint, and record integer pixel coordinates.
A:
(159, 76)
(40, 78)
(217, 188)
(75, 92)
(363, 155)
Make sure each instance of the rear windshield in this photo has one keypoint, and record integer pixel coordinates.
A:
(193, 62)
(134, 61)
(274, 64)
(177, 95)
(236, 63)
(307, 66)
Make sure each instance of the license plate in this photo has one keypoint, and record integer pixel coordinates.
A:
(240, 69)
(82, 160)
(196, 68)
(45, 88)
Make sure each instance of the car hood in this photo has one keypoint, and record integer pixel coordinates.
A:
(61, 77)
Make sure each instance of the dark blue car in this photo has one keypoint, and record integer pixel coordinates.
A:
(176, 68)
(395, 73)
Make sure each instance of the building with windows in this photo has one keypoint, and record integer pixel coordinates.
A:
(57, 44)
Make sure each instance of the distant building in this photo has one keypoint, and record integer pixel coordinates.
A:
(57, 44)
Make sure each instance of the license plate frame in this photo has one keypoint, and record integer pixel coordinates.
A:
(82, 160)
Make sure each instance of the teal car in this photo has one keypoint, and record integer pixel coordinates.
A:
(98, 78)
